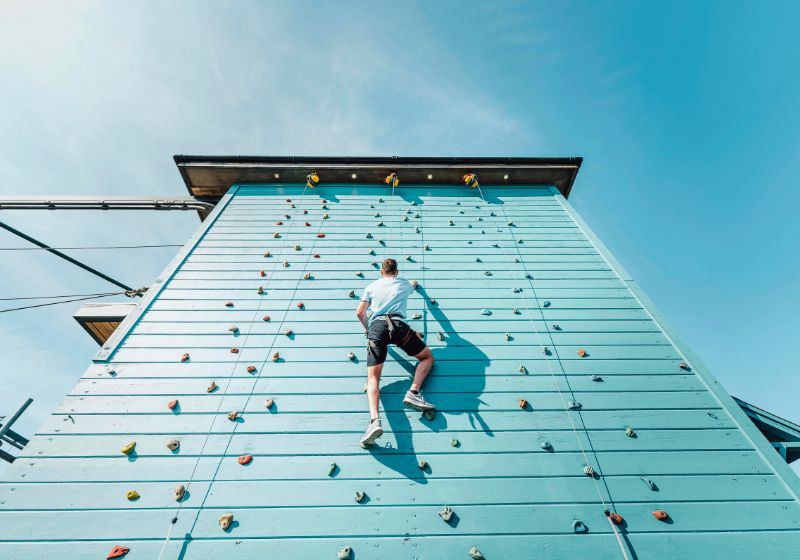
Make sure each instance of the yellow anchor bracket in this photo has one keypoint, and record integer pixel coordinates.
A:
(471, 180)
(312, 180)
(392, 180)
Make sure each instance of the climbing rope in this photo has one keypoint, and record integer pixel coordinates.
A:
(548, 362)
(224, 392)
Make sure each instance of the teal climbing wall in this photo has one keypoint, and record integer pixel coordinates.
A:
(515, 481)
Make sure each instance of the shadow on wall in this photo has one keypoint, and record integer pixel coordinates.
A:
(464, 400)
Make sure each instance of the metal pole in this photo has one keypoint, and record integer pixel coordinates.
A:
(67, 258)
(15, 417)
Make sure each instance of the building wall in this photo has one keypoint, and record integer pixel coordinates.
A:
(693, 454)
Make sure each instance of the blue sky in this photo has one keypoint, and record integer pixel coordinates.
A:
(685, 113)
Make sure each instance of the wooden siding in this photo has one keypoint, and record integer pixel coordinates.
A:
(725, 491)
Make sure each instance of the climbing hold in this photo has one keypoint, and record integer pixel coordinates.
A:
(578, 526)
(492, 214)
(476, 554)
(392, 180)
(545, 303)
(245, 459)
(546, 445)
(128, 448)
(523, 404)
(629, 432)
(301, 305)
(649, 483)
(517, 290)
(574, 405)
(288, 200)
(416, 315)
(408, 258)
(233, 328)
(488, 273)
(185, 357)
(455, 443)
(288, 332)
(234, 350)
(451, 223)
(172, 404)
(471, 180)
(225, 521)
(316, 256)
(440, 336)
(446, 514)
(377, 214)
(285, 264)
(332, 469)
(516, 311)
(375, 264)
(351, 356)
(417, 230)
(233, 415)
(211, 387)
(423, 464)
(597, 378)
(359, 497)
(478, 259)
(305, 211)
(267, 254)
(276, 356)
(581, 352)
(510, 223)
(380, 224)
(287, 216)
(522, 369)
(684, 365)
(279, 223)
(180, 492)
(251, 369)
(416, 215)
(276, 235)
(265, 318)
(173, 444)
(485, 312)
(345, 553)
(546, 351)
(427, 247)
(508, 336)
(352, 294)
(615, 518)
(308, 224)
(132, 495)
(360, 274)
(268, 403)
(260, 290)
(413, 203)
(661, 515)
(229, 304)
(555, 327)
(325, 216)
(118, 552)
(312, 180)
(516, 260)
(297, 248)
(588, 471)
(429, 414)
(369, 236)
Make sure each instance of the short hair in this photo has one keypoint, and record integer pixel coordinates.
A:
(389, 266)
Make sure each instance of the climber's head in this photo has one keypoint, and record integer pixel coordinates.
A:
(389, 268)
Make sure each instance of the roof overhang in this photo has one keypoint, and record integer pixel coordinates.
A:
(783, 434)
(101, 319)
(210, 177)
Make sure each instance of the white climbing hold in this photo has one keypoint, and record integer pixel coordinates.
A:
(211, 387)
(416, 315)
(629, 432)
(574, 405)
(508, 336)
(345, 553)
(351, 356)
(485, 312)
(476, 554)
(446, 514)
(180, 492)
(233, 415)
(173, 444)
(588, 470)
(276, 235)
(360, 496)
(268, 403)
(276, 356)
(233, 328)
(307, 276)
(267, 254)
(523, 369)
(440, 336)
(285, 264)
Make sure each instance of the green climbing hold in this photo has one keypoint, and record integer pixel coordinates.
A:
(476, 554)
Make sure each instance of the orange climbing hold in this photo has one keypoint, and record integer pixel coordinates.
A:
(661, 515)
(185, 357)
(523, 404)
(234, 350)
(614, 517)
(251, 369)
(245, 459)
(172, 404)
(582, 353)
(118, 552)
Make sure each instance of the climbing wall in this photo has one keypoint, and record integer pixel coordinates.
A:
(560, 396)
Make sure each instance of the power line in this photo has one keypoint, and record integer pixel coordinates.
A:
(58, 297)
(90, 248)
(59, 302)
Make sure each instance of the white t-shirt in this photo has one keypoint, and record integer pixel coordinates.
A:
(388, 295)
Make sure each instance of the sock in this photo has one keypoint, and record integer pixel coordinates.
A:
(413, 392)
(375, 419)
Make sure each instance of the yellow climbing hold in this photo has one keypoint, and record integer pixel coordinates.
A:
(132, 495)
(128, 448)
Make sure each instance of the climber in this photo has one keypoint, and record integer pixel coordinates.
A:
(387, 298)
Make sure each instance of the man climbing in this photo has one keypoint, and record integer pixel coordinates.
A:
(387, 298)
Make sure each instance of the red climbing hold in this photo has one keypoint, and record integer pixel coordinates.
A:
(615, 517)
(185, 357)
(234, 350)
(266, 318)
(660, 514)
(300, 305)
(308, 224)
(229, 304)
(288, 200)
(251, 369)
(582, 353)
(305, 211)
(316, 256)
(172, 404)
(263, 274)
(118, 552)
(320, 235)
(245, 459)
(279, 223)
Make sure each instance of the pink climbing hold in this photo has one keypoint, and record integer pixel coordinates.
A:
(172, 404)
(301, 305)
(245, 459)
(320, 235)
(185, 357)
